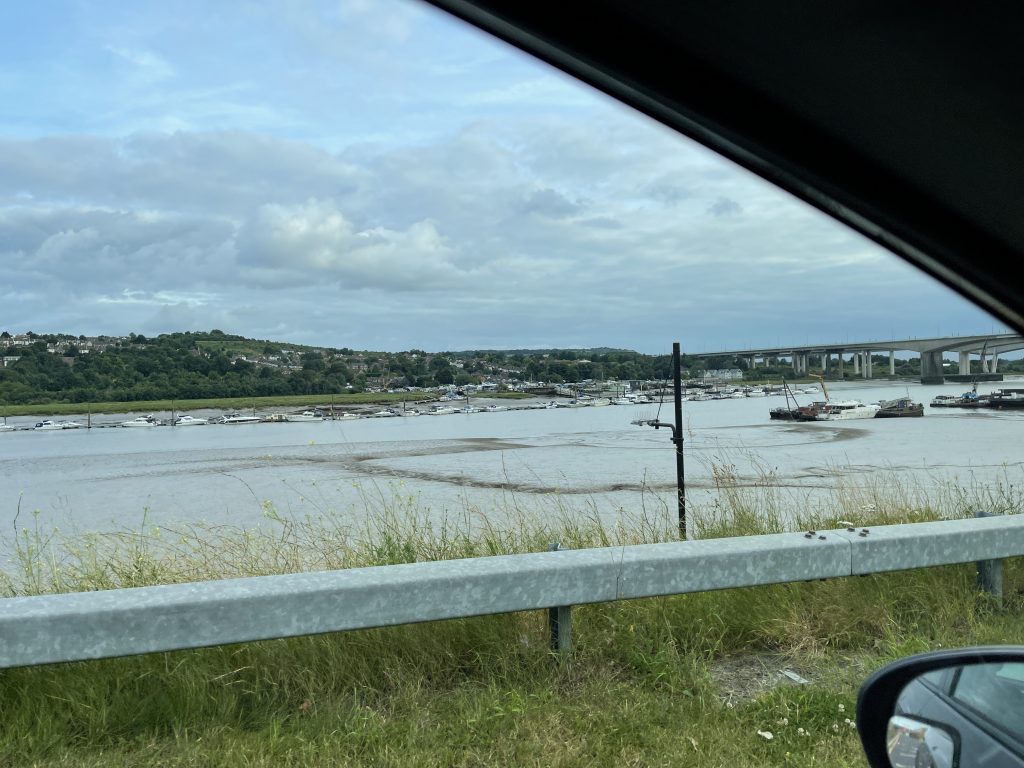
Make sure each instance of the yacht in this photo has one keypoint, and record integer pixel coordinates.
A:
(190, 421)
(304, 416)
(46, 425)
(493, 408)
(141, 421)
(838, 410)
(237, 418)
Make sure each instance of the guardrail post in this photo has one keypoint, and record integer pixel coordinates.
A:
(560, 622)
(990, 574)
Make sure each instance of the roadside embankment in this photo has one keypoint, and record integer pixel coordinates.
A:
(694, 680)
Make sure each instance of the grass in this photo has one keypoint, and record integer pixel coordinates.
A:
(685, 680)
(225, 403)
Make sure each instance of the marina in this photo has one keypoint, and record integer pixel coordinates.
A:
(549, 460)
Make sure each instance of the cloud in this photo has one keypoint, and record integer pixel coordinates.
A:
(147, 65)
(724, 207)
(315, 242)
(499, 234)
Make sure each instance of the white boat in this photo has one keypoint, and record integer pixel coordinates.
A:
(597, 402)
(441, 409)
(387, 413)
(190, 421)
(469, 409)
(839, 410)
(237, 418)
(493, 408)
(141, 421)
(69, 425)
(47, 425)
(304, 416)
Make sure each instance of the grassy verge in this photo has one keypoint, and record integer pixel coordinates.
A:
(687, 680)
(225, 403)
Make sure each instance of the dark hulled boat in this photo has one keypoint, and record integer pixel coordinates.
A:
(902, 406)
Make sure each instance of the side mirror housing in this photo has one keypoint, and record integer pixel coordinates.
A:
(946, 709)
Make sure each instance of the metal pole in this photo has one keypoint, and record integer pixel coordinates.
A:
(559, 622)
(677, 438)
(990, 574)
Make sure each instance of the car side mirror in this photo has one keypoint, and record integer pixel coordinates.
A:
(947, 709)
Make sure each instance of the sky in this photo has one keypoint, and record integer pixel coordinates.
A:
(378, 175)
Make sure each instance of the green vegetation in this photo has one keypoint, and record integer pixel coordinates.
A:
(223, 403)
(687, 680)
(52, 369)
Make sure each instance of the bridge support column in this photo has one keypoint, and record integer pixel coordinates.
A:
(993, 363)
(839, 364)
(856, 363)
(931, 368)
(965, 363)
(892, 362)
(983, 361)
(753, 362)
(868, 373)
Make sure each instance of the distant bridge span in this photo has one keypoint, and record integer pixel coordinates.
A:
(987, 347)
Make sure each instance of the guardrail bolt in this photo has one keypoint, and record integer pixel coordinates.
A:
(560, 621)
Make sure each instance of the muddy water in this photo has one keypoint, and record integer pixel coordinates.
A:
(587, 458)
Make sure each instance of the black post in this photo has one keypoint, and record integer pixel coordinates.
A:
(677, 438)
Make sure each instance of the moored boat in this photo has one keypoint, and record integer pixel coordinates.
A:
(47, 425)
(190, 421)
(841, 410)
(902, 406)
(141, 421)
(304, 416)
(237, 418)
(1006, 399)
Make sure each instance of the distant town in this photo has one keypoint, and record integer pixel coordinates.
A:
(60, 367)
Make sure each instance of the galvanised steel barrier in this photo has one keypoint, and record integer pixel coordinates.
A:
(121, 622)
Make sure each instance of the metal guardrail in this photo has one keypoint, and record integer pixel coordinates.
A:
(93, 625)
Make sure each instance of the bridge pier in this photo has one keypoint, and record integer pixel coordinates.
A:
(931, 368)
(892, 362)
(965, 363)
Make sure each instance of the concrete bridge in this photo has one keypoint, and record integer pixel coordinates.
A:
(987, 348)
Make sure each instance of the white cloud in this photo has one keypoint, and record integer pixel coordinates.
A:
(149, 66)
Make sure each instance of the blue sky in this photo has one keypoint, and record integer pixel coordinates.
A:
(380, 176)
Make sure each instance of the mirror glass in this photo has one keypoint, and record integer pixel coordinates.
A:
(965, 715)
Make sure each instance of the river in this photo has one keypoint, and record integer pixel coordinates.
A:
(583, 458)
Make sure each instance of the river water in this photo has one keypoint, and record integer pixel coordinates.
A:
(584, 458)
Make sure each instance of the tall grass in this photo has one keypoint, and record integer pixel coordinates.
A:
(642, 687)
